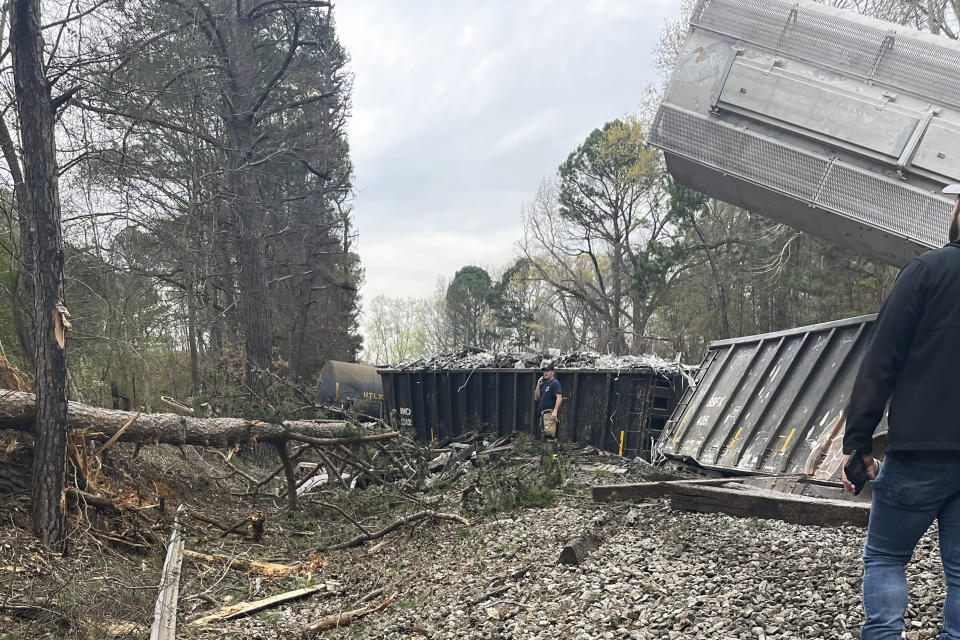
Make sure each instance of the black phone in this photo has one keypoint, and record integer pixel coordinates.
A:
(856, 471)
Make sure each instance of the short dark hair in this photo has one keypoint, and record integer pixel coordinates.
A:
(547, 367)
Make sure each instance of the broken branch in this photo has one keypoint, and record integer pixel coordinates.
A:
(256, 566)
(342, 619)
(436, 515)
(246, 608)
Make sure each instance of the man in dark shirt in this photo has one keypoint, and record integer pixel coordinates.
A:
(548, 397)
(913, 360)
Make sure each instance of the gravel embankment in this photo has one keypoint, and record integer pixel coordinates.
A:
(662, 574)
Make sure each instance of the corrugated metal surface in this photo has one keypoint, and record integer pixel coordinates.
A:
(772, 403)
(599, 406)
(837, 124)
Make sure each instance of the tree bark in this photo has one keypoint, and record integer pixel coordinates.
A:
(42, 204)
(17, 411)
(240, 127)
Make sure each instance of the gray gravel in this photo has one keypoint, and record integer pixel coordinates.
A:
(663, 574)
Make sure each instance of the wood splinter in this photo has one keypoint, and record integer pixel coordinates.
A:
(246, 608)
(271, 569)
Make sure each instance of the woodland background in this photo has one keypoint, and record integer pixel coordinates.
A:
(617, 258)
(208, 236)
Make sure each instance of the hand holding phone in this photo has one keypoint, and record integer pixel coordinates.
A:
(856, 472)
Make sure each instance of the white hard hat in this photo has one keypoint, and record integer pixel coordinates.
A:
(952, 188)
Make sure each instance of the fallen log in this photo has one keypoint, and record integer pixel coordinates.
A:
(17, 410)
(341, 619)
(246, 608)
(576, 551)
(271, 569)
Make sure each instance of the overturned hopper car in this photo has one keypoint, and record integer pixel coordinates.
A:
(837, 124)
(619, 410)
(347, 385)
(772, 403)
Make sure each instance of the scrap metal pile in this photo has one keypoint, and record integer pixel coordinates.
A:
(474, 358)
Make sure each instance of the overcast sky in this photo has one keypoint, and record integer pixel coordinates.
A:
(461, 108)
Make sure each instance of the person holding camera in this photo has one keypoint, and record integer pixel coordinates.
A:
(912, 360)
(548, 397)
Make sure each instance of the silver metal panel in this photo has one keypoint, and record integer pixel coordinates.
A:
(885, 53)
(836, 124)
(939, 151)
(792, 100)
(772, 403)
(891, 220)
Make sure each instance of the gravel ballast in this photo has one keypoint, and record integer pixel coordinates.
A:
(662, 574)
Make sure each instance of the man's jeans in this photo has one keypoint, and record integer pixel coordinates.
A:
(911, 491)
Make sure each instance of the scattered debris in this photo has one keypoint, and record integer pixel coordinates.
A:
(12, 377)
(473, 358)
(420, 515)
(271, 569)
(246, 608)
(342, 619)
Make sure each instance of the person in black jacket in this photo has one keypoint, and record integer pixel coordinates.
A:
(912, 361)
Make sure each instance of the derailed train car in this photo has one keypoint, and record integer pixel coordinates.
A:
(352, 386)
(772, 403)
(619, 410)
(835, 123)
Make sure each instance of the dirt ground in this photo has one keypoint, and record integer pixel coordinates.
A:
(659, 573)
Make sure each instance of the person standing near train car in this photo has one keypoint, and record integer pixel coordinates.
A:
(548, 397)
(911, 363)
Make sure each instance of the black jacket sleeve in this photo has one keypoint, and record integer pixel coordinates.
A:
(893, 334)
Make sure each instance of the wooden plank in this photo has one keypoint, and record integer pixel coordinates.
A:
(646, 490)
(165, 610)
(761, 503)
(246, 608)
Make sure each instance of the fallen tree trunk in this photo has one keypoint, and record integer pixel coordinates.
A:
(576, 551)
(17, 410)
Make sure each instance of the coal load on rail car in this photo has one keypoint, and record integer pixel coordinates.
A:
(351, 387)
(615, 403)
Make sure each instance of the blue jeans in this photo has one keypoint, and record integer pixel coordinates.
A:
(911, 491)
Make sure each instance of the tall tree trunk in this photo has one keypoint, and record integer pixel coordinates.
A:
(42, 203)
(240, 125)
(303, 302)
(251, 259)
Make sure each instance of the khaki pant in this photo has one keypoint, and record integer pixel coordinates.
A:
(549, 423)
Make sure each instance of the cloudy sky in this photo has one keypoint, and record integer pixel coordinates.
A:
(461, 108)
